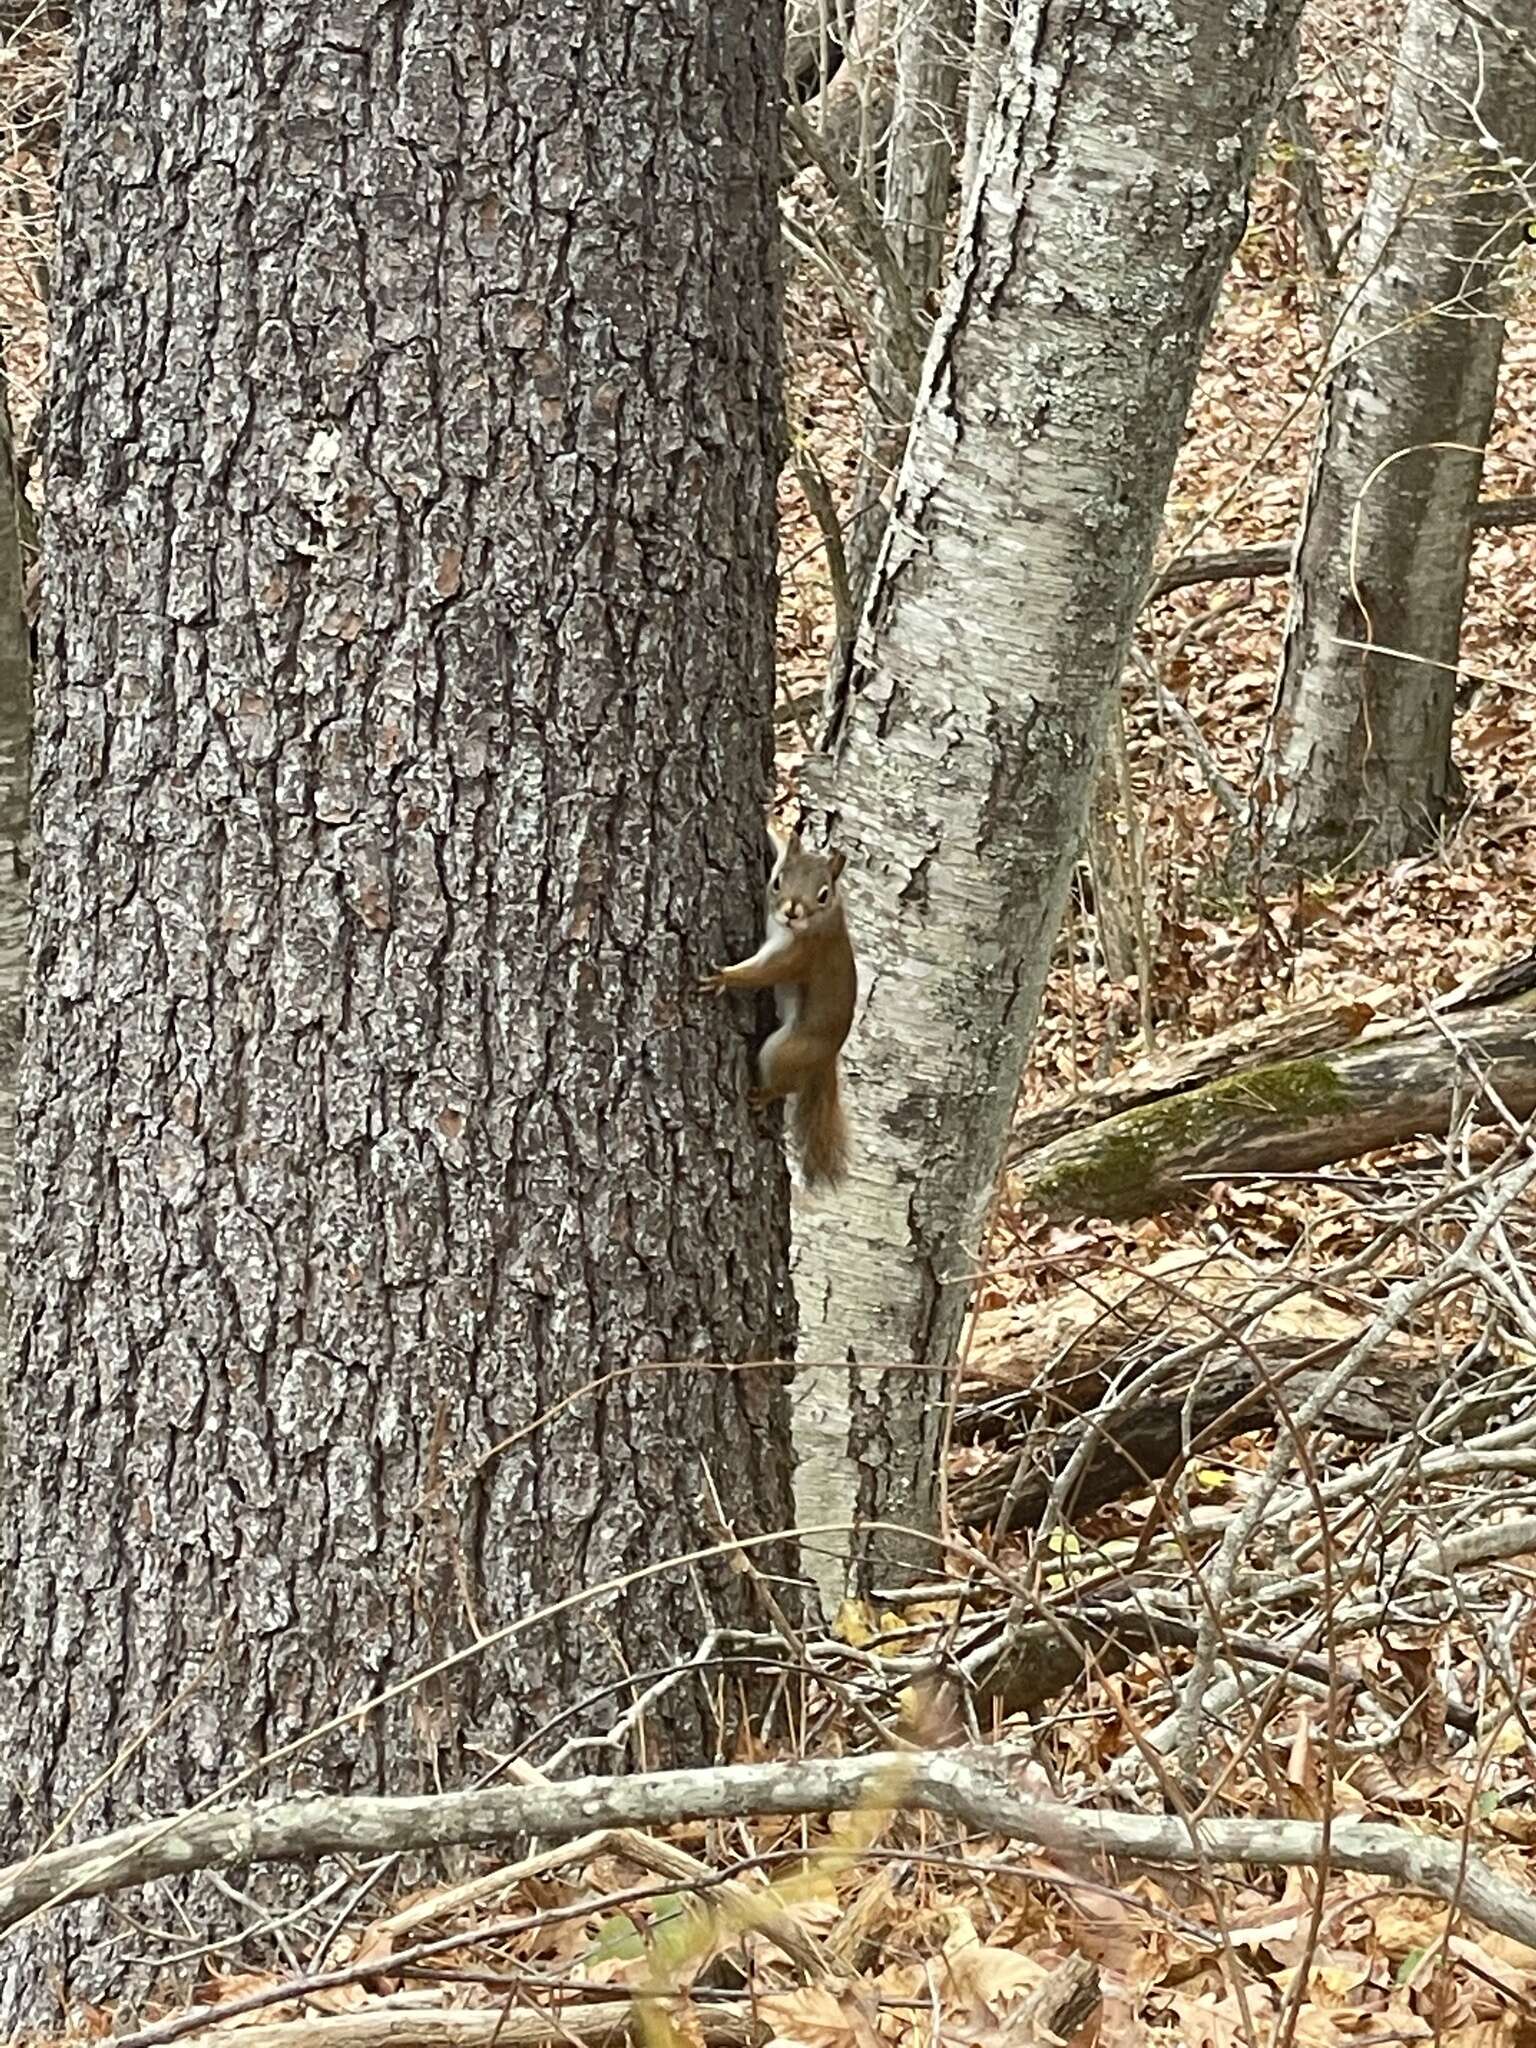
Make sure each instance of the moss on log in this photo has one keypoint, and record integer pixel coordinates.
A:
(1406, 1081)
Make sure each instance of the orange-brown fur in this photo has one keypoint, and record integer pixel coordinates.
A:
(806, 958)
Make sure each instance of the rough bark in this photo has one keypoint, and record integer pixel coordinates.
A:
(1110, 195)
(1300, 1114)
(15, 795)
(403, 739)
(1358, 766)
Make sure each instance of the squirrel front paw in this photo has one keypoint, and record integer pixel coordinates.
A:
(713, 984)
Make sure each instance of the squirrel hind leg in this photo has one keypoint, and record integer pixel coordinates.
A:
(777, 1066)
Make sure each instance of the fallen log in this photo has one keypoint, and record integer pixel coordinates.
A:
(1292, 1034)
(1402, 1082)
(1199, 1406)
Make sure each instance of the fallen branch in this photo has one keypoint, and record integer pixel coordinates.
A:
(1204, 1403)
(517, 2026)
(1292, 1034)
(1275, 560)
(1405, 1081)
(967, 1787)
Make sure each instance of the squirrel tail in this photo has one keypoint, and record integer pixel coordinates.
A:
(821, 1130)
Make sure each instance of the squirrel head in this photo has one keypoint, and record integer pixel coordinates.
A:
(802, 889)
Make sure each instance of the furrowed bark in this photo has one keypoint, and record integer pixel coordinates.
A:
(403, 741)
(15, 811)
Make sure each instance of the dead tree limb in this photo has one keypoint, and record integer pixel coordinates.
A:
(1407, 1081)
(970, 1787)
(1293, 1034)
(1204, 1404)
(493, 2026)
(1244, 564)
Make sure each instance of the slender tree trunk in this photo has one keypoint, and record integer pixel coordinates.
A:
(919, 161)
(1109, 198)
(402, 750)
(992, 24)
(1358, 769)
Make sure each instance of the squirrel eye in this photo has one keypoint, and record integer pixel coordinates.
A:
(824, 893)
(774, 885)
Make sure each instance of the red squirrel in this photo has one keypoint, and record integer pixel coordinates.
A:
(806, 958)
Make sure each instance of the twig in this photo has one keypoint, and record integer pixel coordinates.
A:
(862, 224)
(1306, 184)
(1224, 791)
(817, 493)
(1493, 514)
(1400, 1303)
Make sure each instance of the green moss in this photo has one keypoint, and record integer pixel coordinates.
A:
(1120, 1167)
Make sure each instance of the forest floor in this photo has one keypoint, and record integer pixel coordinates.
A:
(1350, 1959)
(937, 1939)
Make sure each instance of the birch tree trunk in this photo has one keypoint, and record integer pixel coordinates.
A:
(1109, 198)
(402, 748)
(919, 161)
(1358, 769)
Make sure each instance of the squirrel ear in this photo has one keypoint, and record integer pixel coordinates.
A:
(837, 863)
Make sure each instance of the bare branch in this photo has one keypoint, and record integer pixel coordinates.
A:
(1493, 514)
(862, 224)
(968, 1787)
(495, 2026)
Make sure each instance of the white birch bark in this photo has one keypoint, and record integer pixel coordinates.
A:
(1109, 197)
(1358, 768)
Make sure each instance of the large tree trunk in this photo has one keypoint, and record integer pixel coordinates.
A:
(1109, 198)
(402, 750)
(15, 796)
(1358, 768)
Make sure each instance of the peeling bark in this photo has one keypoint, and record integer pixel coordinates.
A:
(1109, 198)
(1358, 767)
(928, 44)
(403, 740)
